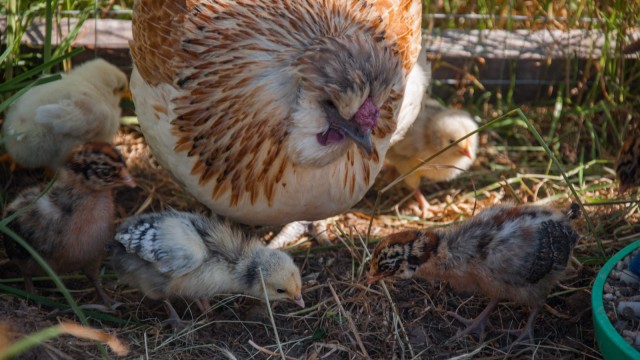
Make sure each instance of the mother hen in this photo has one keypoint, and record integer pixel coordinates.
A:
(271, 111)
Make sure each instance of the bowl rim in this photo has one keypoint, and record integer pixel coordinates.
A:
(599, 313)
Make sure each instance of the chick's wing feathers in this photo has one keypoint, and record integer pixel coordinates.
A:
(543, 240)
(171, 241)
(556, 241)
(69, 116)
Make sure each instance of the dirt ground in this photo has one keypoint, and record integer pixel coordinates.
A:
(344, 317)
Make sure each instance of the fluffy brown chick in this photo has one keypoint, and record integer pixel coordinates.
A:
(70, 224)
(505, 252)
(178, 254)
(435, 128)
(628, 163)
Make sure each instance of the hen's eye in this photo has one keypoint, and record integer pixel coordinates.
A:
(280, 291)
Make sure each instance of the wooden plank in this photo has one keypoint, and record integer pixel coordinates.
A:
(536, 61)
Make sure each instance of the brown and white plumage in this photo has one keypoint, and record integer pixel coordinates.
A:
(505, 252)
(260, 107)
(628, 163)
(47, 121)
(178, 254)
(435, 128)
(70, 225)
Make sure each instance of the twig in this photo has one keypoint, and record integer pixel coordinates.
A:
(273, 321)
(269, 352)
(351, 324)
(469, 355)
(397, 315)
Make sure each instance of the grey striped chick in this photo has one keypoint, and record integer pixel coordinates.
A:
(178, 254)
(505, 252)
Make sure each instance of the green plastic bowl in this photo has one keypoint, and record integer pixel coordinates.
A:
(612, 344)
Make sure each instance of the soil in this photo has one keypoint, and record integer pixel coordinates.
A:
(391, 320)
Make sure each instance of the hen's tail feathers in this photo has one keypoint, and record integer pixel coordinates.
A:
(573, 212)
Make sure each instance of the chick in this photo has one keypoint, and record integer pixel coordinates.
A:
(50, 119)
(70, 224)
(628, 163)
(177, 254)
(505, 252)
(434, 129)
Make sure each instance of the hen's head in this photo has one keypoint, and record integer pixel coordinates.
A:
(342, 84)
(401, 254)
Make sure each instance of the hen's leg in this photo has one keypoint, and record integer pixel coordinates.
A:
(292, 231)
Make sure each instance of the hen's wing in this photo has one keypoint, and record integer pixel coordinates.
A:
(171, 241)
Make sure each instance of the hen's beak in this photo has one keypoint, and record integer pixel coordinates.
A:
(466, 150)
(298, 300)
(351, 129)
(362, 139)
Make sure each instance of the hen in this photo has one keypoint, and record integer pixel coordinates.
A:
(260, 107)
(505, 252)
(70, 224)
(628, 163)
(178, 254)
(435, 128)
(49, 120)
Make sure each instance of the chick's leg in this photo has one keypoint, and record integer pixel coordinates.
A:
(92, 275)
(478, 324)
(174, 320)
(423, 204)
(526, 333)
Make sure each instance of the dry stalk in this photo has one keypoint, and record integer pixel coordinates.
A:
(350, 321)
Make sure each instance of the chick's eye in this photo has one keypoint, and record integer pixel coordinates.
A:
(280, 291)
(451, 141)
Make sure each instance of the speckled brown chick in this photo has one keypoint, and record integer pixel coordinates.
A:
(628, 163)
(505, 252)
(70, 224)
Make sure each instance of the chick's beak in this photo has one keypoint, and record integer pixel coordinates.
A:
(298, 300)
(126, 94)
(371, 278)
(466, 150)
(127, 179)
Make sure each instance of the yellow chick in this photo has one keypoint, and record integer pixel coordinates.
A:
(178, 254)
(47, 121)
(435, 128)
